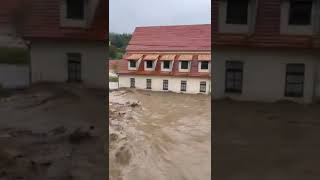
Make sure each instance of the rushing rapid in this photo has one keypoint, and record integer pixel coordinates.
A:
(159, 136)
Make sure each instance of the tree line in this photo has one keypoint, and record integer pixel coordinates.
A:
(117, 44)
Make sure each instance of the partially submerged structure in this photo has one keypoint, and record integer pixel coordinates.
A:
(168, 58)
(266, 50)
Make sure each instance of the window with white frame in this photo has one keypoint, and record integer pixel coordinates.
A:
(166, 64)
(204, 65)
(183, 86)
(165, 85)
(184, 65)
(149, 64)
(132, 63)
(148, 84)
(300, 12)
(237, 12)
(203, 86)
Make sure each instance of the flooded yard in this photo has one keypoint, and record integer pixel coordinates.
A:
(159, 136)
(53, 131)
(266, 141)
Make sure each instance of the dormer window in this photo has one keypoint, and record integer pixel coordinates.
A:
(132, 64)
(184, 64)
(237, 12)
(237, 16)
(297, 17)
(300, 12)
(204, 65)
(149, 64)
(166, 64)
(74, 13)
(75, 9)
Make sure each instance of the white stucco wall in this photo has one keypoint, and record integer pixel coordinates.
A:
(193, 84)
(49, 61)
(264, 73)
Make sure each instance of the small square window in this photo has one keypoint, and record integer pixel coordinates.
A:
(204, 65)
(149, 64)
(184, 64)
(133, 63)
(166, 64)
(237, 12)
(75, 9)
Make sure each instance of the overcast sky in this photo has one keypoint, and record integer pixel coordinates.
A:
(125, 15)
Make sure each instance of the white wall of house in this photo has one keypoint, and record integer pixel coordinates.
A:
(264, 73)
(193, 84)
(49, 61)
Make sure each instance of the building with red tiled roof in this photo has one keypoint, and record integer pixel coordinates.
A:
(266, 50)
(168, 58)
(66, 38)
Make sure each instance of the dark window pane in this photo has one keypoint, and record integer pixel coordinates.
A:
(300, 12)
(132, 63)
(132, 82)
(148, 83)
(203, 86)
(294, 80)
(184, 64)
(204, 65)
(149, 64)
(237, 12)
(74, 67)
(166, 64)
(165, 84)
(233, 76)
(75, 9)
(183, 86)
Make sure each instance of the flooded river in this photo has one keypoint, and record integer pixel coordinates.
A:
(159, 136)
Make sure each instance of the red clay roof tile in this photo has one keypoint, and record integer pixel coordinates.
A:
(171, 38)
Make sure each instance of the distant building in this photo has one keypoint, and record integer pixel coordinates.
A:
(67, 38)
(266, 50)
(168, 58)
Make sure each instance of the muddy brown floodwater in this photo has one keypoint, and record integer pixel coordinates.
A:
(159, 136)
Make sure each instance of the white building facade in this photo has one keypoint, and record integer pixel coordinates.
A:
(267, 51)
(169, 59)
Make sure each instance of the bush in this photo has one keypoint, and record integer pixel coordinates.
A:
(113, 79)
(14, 56)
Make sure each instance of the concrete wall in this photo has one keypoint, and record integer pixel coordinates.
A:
(264, 73)
(13, 76)
(193, 84)
(49, 61)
